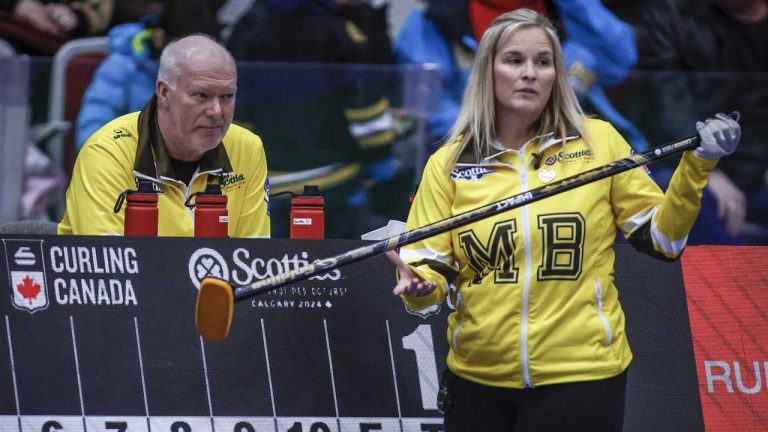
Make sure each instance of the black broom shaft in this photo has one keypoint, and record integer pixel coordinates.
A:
(643, 158)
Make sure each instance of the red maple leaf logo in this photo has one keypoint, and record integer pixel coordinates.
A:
(28, 289)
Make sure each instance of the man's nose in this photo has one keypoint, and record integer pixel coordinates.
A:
(214, 108)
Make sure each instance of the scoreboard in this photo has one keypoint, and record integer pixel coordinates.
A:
(107, 342)
(97, 334)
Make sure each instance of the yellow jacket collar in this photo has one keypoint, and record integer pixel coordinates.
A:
(152, 158)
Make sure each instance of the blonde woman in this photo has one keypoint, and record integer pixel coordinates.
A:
(537, 338)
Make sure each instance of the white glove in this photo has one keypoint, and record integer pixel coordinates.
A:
(719, 137)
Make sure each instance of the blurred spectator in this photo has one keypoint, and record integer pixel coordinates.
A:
(41, 27)
(60, 21)
(125, 80)
(43, 180)
(715, 57)
(134, 10)
(336, 118)
(182, 17)
(599, 50)
(230, 13)
(440, 33)
(31, 12)
(323, 31)
(72, 18)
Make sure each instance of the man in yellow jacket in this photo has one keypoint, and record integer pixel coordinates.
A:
(182, 140)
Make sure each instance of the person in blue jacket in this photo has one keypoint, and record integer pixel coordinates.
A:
(599, 50)
(124, 81)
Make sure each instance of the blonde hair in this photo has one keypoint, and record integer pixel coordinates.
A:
(476, 121)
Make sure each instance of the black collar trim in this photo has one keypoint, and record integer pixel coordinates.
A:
(152, 158)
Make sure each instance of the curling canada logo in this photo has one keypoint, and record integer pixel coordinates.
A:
(471, 174)
(26, 274)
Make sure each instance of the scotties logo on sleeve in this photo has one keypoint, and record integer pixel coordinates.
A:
(233, 181)
(27, 274)
(470, 173)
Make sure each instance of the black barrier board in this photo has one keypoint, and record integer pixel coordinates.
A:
(98, 335)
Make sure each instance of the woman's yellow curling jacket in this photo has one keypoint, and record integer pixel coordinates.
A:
(534, 297)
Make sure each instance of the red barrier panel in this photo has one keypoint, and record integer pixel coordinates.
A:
(727, 296)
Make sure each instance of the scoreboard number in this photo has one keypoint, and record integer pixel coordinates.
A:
(420, 342)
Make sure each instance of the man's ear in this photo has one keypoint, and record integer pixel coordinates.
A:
(161, 90)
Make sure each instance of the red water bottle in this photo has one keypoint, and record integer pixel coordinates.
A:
(211, 217)
(140, 210)
(307, 214)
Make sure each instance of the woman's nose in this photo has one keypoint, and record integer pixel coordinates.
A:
(529, 71)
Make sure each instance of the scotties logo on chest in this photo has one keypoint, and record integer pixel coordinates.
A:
(470, 174)
(569, 157)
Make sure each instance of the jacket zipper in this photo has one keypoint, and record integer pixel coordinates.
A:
(524, 227)
(175, 185)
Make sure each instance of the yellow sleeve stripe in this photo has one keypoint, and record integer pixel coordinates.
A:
(377, 140)
(670, 248)
(327, 181)
(367, 113)
(378, 124)
(638, 220)
(410, 255)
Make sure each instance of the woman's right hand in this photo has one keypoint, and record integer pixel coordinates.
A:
(410, 283)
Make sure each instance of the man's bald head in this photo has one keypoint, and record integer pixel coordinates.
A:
(191, 51)
(195, 90)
